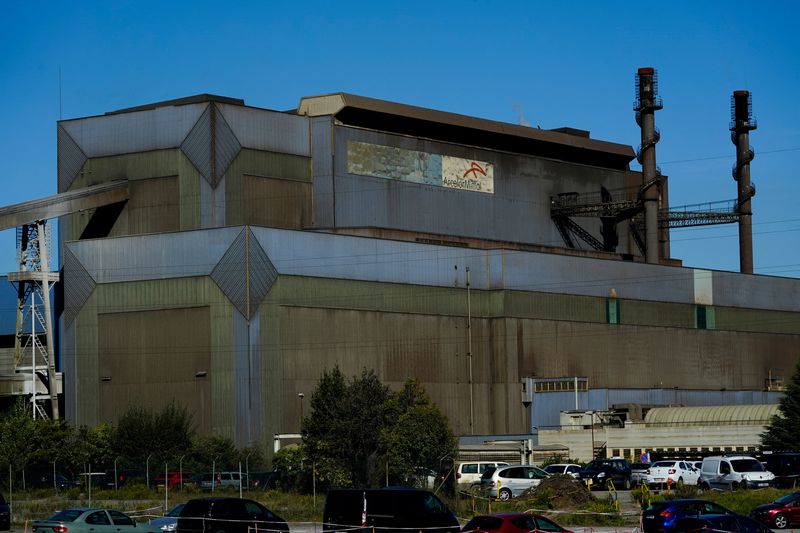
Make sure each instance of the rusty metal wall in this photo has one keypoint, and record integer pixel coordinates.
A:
(518, 211)
(322, 154)
(151, 358)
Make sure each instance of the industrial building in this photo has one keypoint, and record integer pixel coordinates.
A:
(513, 271)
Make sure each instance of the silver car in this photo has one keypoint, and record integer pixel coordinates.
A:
(510, 481)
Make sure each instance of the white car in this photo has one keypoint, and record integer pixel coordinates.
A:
(677, 472)
(564, 468)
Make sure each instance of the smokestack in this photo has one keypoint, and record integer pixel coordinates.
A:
(647, 103)
(742, 122)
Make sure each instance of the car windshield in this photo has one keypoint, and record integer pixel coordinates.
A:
(67, 515)
(176, 511)
(789, 498)
(663, 464)
(747, 465)
(598, 465)
(554, 469)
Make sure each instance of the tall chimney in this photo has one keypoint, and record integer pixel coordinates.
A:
(647, 103)
(742, 123)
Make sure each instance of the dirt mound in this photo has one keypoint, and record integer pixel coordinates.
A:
(559, 492)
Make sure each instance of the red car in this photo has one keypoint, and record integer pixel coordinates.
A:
(511, 523)
(780, 514)
(174, 479)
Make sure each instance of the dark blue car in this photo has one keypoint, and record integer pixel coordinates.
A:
(661, 516)
(720, 522)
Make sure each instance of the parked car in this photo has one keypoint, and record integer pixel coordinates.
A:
(169, 522)
(639, 473)
(5, 514)
(263, 480)
(221, 481)
(511, 523)
(44, 480)
(389, 510)
(567, 469)
(780, 514)
(123, 477)
(174, 479)
(722, 522)
(468, 474)
(785, 467)
(667, 472)
(227, 515)
(510, 481)
(82, 520)
(660, 517)
(602, 472)
(730, 472)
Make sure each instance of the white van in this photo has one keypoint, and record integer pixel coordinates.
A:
(730, 472)
(468, 474)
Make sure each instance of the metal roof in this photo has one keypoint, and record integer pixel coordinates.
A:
(713, 414)
(564, 143)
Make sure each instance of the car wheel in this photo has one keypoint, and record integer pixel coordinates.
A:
(505, 494)
(780, 521)
(735, 485)
(626, 484)
(680, 481)
(704, 486)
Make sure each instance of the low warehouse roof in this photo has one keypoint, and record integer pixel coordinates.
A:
(712, 415)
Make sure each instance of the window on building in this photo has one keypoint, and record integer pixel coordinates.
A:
(612, 310)
(704, 317)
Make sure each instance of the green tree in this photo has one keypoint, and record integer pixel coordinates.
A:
(782, 432)
(342, 432)
(416, 436)
(18, 438)
(165, 434)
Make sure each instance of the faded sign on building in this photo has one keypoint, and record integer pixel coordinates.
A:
(389, 162)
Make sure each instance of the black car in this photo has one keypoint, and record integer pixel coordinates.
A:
(45, 480)
(661, 516)
(5, 514)
(389, 510)
(785, 466)
(603, 471)
(228, 515)
(719, 522)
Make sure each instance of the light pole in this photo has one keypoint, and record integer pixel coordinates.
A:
(301, 396)
(180, 470)
(147, 471)
(591, 427)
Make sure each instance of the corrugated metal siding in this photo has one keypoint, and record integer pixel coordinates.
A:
(216, 409)
(518, 211)
(197, 146)
(283, 203)
(153, 207)
(226, 144)
(68, 367)
(717, 414)
(268, 130)
(230, 274)
(277, 203)
(739, 319)
(138, 166)
(150, 358)
(765, 292)
(70, 159)
(189, 182)
(322, 167)
(657, 313)
(78, 286)
(166, 255)
(141, 131)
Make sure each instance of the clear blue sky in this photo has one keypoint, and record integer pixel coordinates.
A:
(552, 64)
